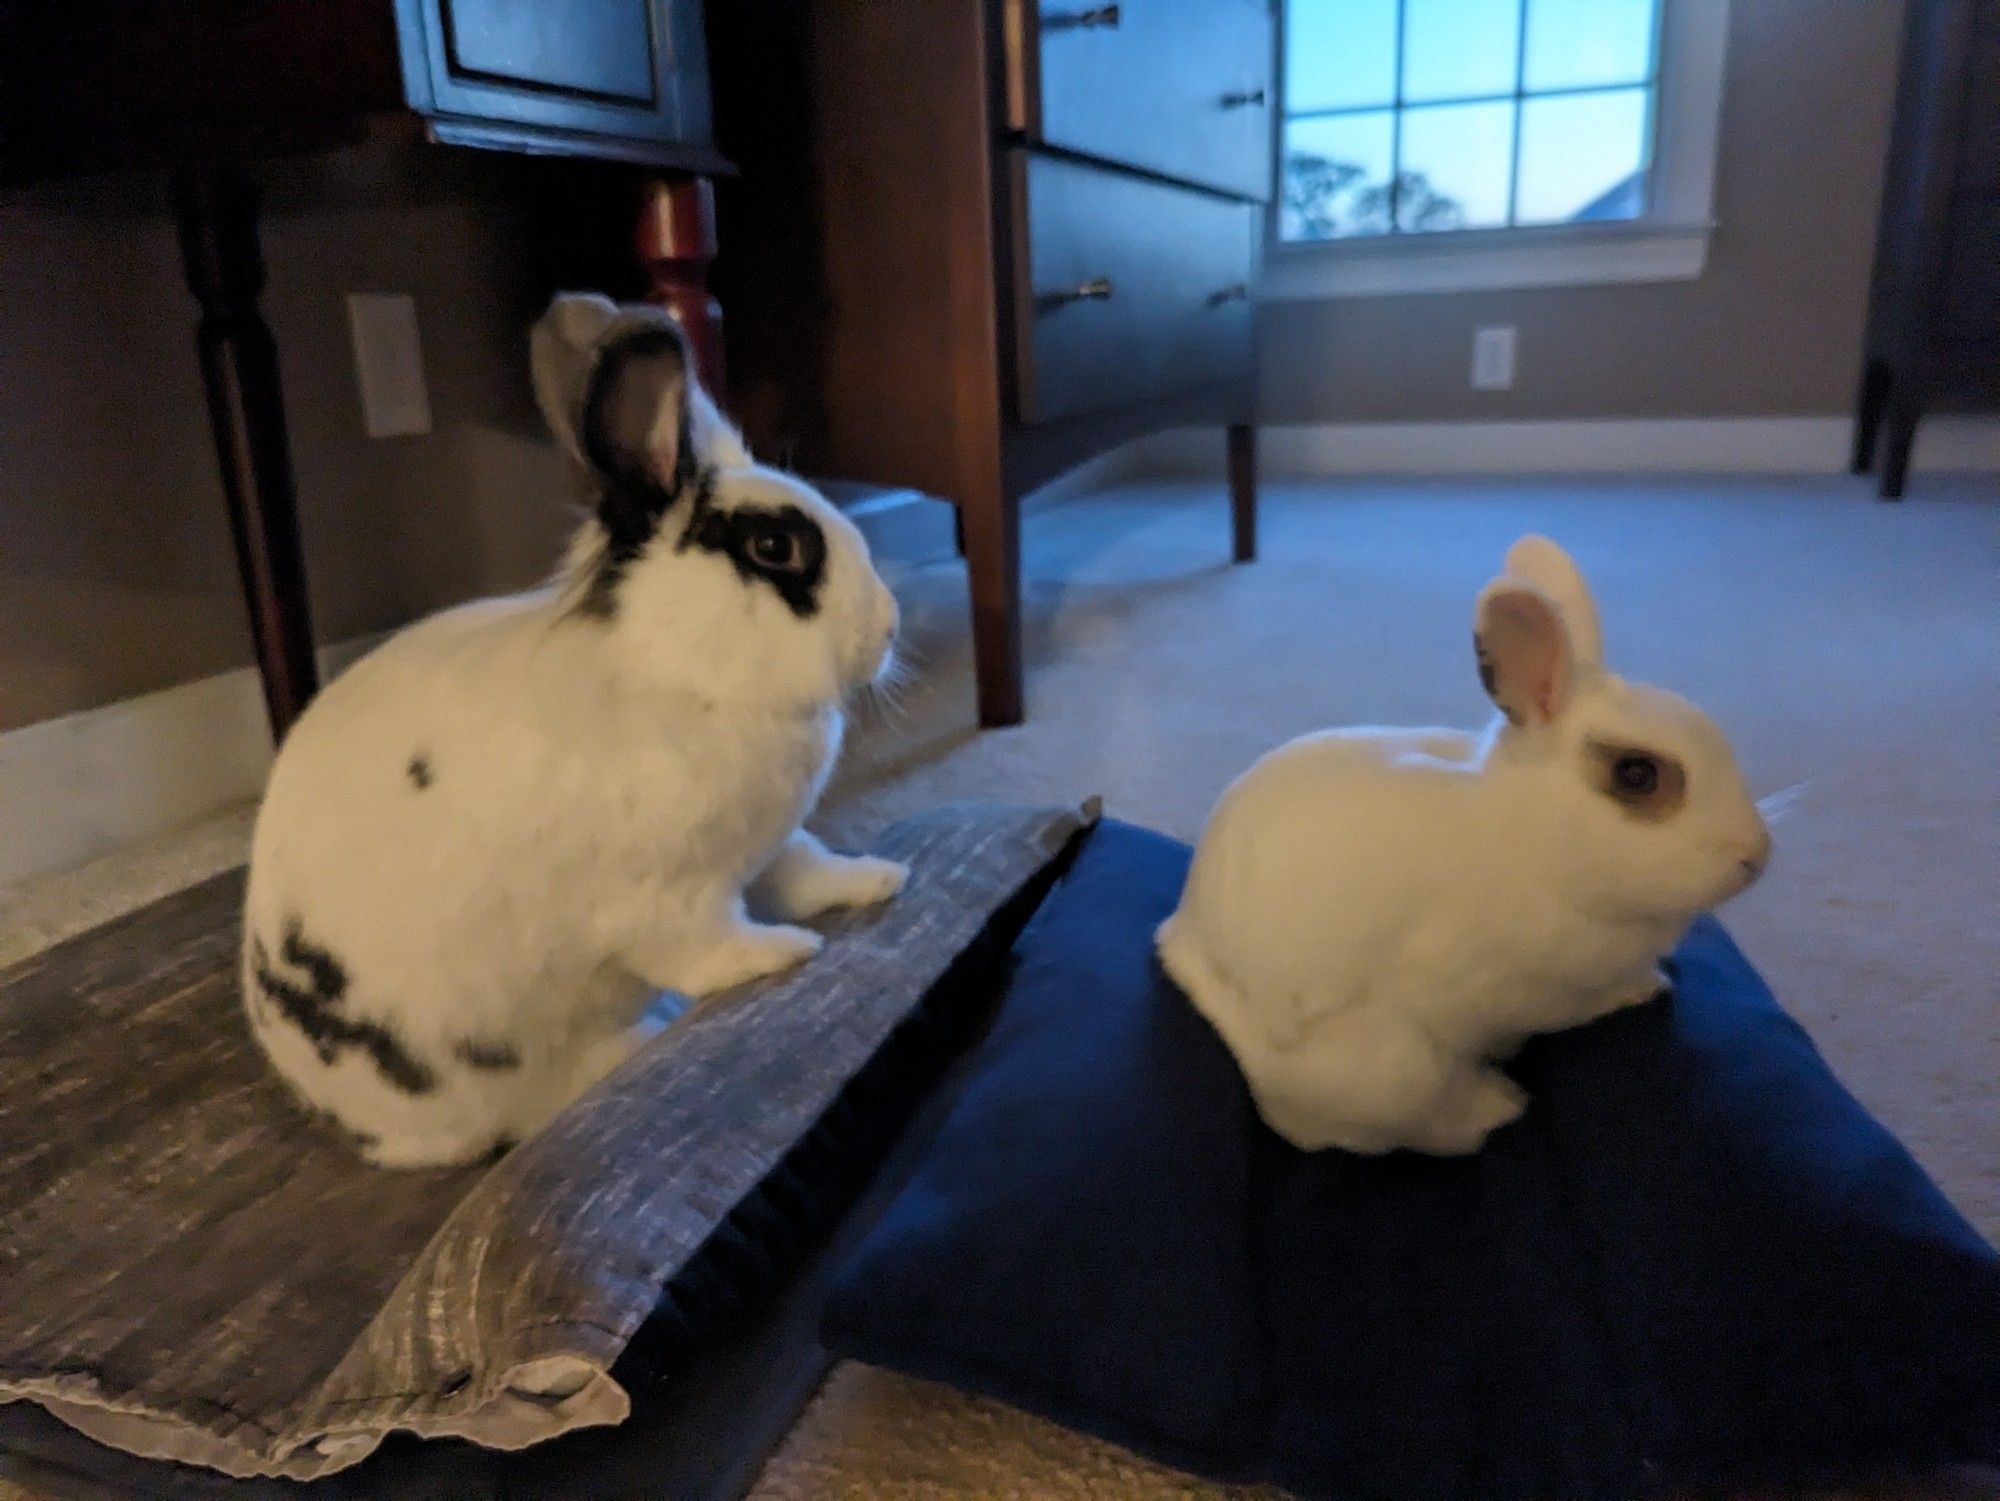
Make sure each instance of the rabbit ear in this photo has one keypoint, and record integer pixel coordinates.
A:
(1526, 663)
(635, 418)
(614, 385)
(561, 352)
(1538, 561)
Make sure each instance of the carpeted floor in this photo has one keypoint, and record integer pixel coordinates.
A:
(1851, 649)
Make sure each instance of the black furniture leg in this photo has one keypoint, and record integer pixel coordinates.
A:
(1903, 417)
(1243, 491)
(215, 206)
(1869, 408)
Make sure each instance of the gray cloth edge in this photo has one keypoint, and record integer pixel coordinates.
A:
(491, 1409)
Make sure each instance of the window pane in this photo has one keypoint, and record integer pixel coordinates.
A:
(1459, 49)
(1337, 176)
(1339, 54)
(1581, 44)
(1456, 161)
(1583, 156)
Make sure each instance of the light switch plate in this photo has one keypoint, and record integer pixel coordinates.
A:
(1493, 359)
(389, 364)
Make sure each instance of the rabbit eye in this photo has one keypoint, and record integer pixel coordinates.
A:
(1645, 784)
(779, 548)
(1638, 776)
(776, 548)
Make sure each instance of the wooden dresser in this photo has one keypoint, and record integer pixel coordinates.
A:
(1934, 311)
(975, 243)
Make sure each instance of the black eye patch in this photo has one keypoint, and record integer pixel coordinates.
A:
(780, 546)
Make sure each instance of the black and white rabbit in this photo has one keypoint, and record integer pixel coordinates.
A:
(487, 844)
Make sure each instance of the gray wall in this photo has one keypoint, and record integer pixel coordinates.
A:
(116, 569)
(1772, 328)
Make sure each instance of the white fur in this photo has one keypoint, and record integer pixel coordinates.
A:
(1374, 916)
(602, 792)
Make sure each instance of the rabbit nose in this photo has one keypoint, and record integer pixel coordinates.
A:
(1760, 856)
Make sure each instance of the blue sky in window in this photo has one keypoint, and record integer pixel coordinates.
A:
(1579, 155)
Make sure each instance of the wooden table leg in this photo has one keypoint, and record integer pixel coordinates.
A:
(1869, 407)
(1901, 439)
(990, 523)
(1243, 490)
(676, 245)
(215, 205)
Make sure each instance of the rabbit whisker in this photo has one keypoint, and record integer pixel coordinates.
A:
(1782, 804)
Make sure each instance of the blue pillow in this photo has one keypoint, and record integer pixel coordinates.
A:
(1695, 1262)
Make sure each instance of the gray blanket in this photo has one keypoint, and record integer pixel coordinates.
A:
(192, 1269)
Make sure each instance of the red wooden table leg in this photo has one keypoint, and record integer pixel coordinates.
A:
(990, 524)
(676, 244)
(216, 207)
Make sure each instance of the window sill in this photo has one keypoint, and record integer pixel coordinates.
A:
(1562, 255)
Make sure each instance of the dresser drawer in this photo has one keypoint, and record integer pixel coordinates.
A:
(1970, 307)
(1178, 87)
(1979, 137)
(1127, 289)
(632, 71)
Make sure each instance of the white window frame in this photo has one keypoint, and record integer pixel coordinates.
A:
(1668, 243)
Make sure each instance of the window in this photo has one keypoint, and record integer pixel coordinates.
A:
(1457, 143)
(1415, 116)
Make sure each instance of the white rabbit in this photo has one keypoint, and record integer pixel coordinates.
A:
(1374, 915)
(486, 845)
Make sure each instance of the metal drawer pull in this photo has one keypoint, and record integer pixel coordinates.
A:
(1103, 17)
(1238, 293)
(1089, 291)
(1243, 100)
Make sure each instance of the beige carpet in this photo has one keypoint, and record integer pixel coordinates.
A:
(1850, 648)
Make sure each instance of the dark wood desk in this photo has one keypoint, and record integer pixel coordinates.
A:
(989, 239)
(201, 88)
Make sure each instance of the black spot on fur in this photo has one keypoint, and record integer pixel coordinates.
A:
(419, 771)
(629, 512)
(494, 1057)
(314, 1008)
(780, 546)
(1489, 676)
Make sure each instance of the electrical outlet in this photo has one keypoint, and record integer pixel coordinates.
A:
(1493, 359)
(389, 364)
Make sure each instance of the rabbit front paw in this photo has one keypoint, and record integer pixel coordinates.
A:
(1634, 993)
(1467, 1111)
(750, 952)
(806, 879)
(851, 881)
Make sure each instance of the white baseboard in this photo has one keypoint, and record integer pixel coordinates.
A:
(1701, 445)
(84, 785)
(906, 529)
(1095, 473)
